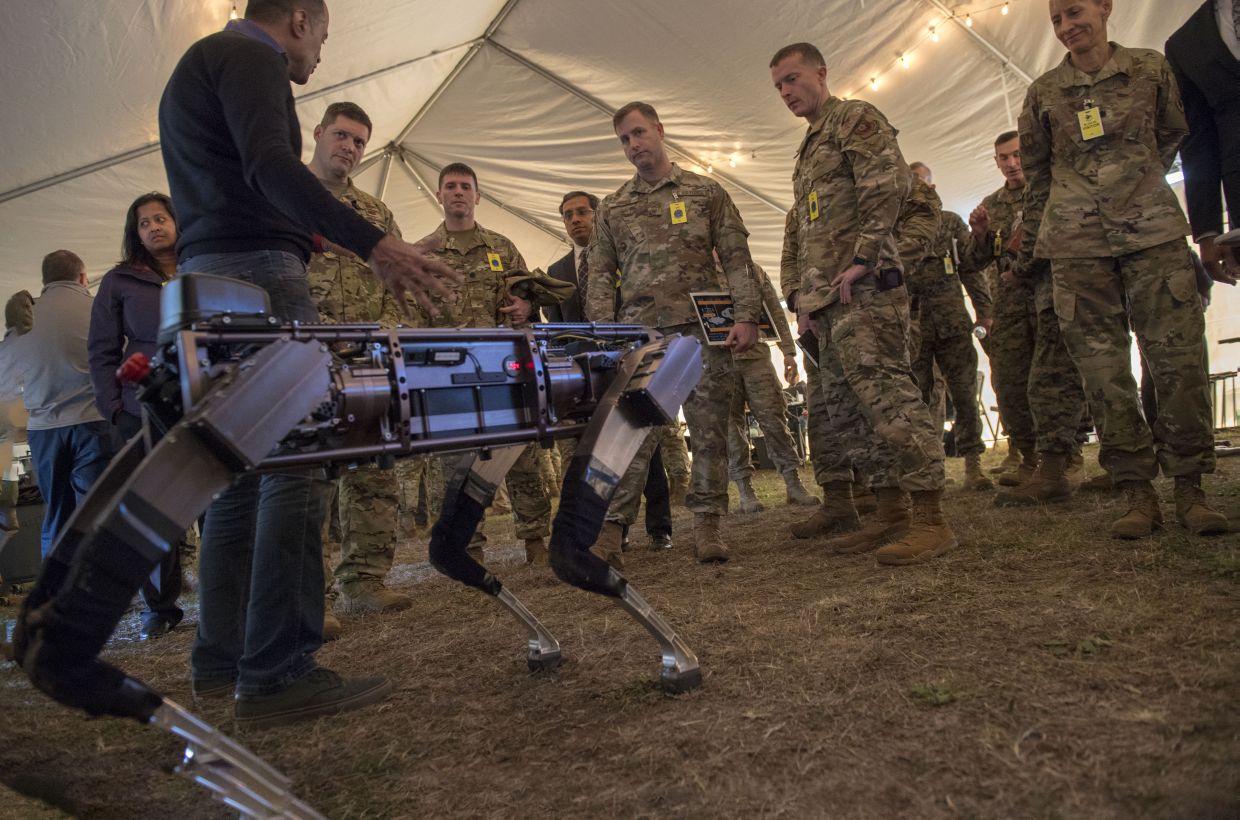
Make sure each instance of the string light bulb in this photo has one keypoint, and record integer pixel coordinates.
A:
(968, 20)
(873, 83)
(904, 61)
(710, 169)
(934, 34)
(1004, 11)
(232, 15)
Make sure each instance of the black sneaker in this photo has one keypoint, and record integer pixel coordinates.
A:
(322, 692)
(213, 687)
(158, 624)
(661, 542)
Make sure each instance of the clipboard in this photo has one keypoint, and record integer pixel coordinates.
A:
(714, 312)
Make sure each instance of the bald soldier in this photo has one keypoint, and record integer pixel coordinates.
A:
(849, 184)
(947, 331)
(662, 229)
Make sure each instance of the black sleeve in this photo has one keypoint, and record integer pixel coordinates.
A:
(1202, 156)
(255, 102)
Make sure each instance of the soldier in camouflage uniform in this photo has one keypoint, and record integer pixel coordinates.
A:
(345, 290)
(757, 384)
(947, 331)
(662, 229)
(1013, 331)
(496, 276)
(1098, 134)
(849, 184)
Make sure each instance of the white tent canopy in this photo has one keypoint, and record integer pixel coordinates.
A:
(523, 90)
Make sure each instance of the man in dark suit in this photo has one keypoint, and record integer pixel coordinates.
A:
(577, 210)
(1205, 54)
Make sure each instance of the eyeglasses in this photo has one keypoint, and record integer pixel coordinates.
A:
(571, 212)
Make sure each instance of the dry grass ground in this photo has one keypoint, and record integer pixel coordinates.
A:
(1041, 670)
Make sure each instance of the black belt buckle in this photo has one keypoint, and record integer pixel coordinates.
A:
(889, 279)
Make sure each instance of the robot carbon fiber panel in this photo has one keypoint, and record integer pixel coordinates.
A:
(347, 394)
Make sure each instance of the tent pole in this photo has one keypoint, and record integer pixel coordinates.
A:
(384, 173)
(609, 111)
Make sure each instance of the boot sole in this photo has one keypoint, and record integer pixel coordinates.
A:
(870, 546)
(826, 532)
(1209, 529)
(296, 714)
(896, 561)
(217, 691)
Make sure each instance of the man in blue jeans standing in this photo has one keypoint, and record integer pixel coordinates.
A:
(70, 443)
(248, 208)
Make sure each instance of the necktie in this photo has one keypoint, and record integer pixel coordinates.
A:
(582, 280)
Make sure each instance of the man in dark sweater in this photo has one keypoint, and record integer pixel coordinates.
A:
(248, 208)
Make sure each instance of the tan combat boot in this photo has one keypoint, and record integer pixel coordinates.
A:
(608, 544)
(535, 551)
(836, 515)
(863, 499)
(1023, 472)
(749, 500)
(1192, 511)
(678, 489)
(368, 596)
(708, 546)
(1049, 484)
(331, 626)
(1097, 484)
(892, 522)
(927, 537)
(974, 478)
(1144, 514)
(797, 494)
(1010, 462)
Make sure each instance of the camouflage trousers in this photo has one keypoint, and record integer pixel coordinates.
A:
(821, 446)
(877, 421)
(420, 475)
(367, 504)
(1056, 393)
(758, 385)
(708, 430)
(675, 452)
(946, 340)
(1159, 289)
(1010, 347)
(527, 490)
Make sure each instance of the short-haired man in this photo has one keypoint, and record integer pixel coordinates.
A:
(1054, 391)
(70, 443)
(1010, 342)
(662, 229)
(248, 208)
(946, 331)
(849, 184)
(577, 211)
(491, 294)
(345, 290)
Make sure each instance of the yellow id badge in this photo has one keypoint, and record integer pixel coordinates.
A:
(495, 262)
(998, 244)
(813, 206)
(680, 214)
(949, 265)
(1091, 123)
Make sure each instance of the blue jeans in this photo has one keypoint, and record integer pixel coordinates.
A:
(67, 462)
(260, 567)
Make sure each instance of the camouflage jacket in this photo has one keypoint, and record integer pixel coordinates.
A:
(770, 299)
(917, 227)
(343, 288)
(950, 266)
(850, 182)
(1006, 209)
(661, 237)
(1106, 195)
(486, 265)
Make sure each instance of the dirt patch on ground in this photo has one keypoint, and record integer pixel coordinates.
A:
(1041, 670)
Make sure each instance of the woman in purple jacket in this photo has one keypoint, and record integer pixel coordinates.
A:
(124, 320)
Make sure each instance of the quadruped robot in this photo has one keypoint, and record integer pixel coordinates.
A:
(234, 390)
